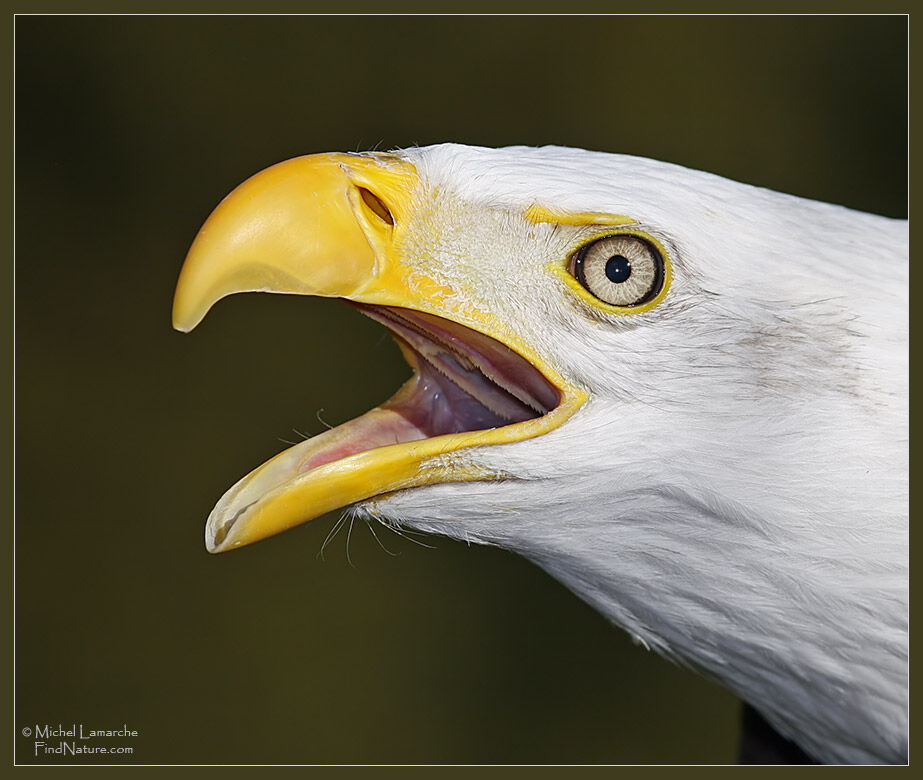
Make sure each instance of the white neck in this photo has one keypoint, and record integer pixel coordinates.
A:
(776, 619)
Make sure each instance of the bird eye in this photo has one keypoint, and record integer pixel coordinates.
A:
(621, 270)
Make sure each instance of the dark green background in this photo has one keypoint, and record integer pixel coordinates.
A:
(128, 131)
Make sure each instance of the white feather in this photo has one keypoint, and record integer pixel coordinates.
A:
(734, 493)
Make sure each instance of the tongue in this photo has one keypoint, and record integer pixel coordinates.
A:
(429, 404)
(376, 428)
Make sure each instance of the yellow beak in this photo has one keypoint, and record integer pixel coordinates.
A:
(312, 226)
(331, 225)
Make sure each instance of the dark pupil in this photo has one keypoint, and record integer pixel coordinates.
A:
(618, 268)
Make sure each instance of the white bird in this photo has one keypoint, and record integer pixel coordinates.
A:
(683, 396)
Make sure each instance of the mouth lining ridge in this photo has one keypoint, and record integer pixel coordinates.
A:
(464, 379)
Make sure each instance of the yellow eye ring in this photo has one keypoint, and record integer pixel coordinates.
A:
(610, 277)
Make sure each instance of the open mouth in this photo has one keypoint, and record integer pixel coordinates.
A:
(463, 382)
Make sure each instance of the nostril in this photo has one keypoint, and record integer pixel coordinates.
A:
(377, 205)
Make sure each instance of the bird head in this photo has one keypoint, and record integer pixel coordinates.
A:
(672, 391)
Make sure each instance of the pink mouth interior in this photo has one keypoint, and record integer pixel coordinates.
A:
(464, 381)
